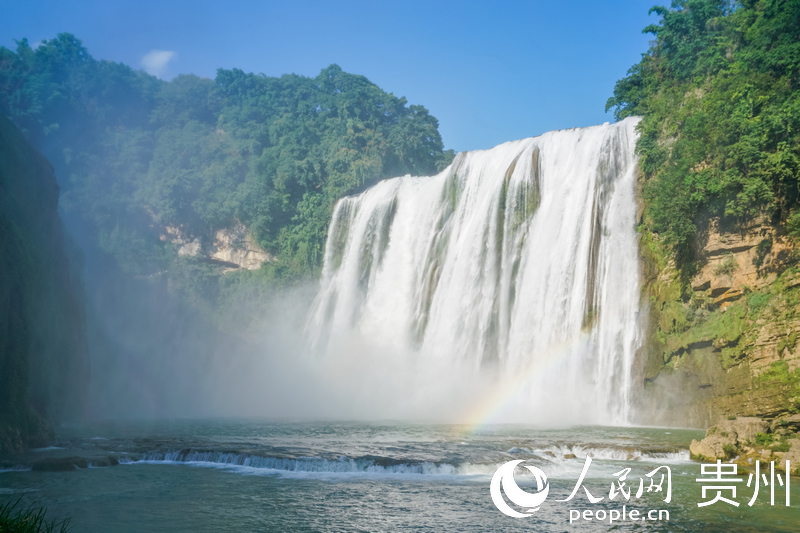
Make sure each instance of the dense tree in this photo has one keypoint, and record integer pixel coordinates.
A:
(134, 153)
(718, 90)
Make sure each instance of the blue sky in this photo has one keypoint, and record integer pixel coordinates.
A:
(490, 72)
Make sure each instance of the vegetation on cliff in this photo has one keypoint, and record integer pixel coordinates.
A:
(720, 161)
(153, 172)
(135, 154)
(721, 128)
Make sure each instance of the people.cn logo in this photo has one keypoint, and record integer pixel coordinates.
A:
(505, 477)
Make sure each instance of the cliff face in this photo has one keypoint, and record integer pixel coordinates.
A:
(723, 343)
(234, 248)
(43, 362)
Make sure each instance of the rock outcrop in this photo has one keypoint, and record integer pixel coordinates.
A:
(729, 347)
(724, 439)
(748, 440)
(750, 255)
(234, 247)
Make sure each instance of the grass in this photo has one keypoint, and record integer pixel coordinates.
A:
(30, 520)
(782, 445)
(778, 372)
(758, 301)
(727, 267)
(764, 439)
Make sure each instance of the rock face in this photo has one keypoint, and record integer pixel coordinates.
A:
(729, 348)
(713, 446)
(793, 456)
(789, 424)
(724, 439)
(43, 356)
(727, 437)
(744, 428)
(232, 247)
(235, 246)
(750, 255)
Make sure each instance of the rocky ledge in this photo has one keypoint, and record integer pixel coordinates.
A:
(744, 440)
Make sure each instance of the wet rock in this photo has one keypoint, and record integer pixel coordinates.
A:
(59, 464)
(105, 461)
(569, 456)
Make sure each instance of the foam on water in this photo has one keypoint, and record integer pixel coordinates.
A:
(551, 457)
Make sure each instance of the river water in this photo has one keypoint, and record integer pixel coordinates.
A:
(252, 475)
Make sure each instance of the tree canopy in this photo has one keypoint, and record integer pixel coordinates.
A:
(718, 90)
(133, 153)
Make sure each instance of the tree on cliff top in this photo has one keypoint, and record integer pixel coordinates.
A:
(131, 151)
(718, 90)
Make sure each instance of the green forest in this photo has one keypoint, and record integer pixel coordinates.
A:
(134, 154)
(720, 135)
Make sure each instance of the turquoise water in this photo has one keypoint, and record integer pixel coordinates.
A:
(236, 475)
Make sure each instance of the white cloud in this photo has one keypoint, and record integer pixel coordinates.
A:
(155, 61)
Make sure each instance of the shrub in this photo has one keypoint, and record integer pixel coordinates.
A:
(782, 446)
(730, 450)
(727, 267)
(764, 439)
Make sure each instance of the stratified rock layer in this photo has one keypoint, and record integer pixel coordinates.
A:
(729, 348)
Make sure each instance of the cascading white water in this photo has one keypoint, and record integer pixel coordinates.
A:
(518, 264)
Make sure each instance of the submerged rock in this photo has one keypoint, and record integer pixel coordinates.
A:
(110, 460)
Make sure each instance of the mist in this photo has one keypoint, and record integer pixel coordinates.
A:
(209, 214)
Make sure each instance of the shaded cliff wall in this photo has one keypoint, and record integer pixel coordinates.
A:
(43, 365)
(723, 342)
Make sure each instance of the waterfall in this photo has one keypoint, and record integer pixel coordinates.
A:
(518, 264)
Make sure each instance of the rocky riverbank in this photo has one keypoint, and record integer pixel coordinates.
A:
(745, 440)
